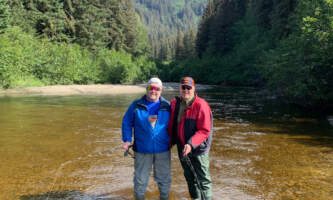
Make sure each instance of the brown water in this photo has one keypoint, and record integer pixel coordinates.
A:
(69, 148)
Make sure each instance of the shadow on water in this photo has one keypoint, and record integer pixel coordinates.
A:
(320, 142)
(68, 195)
(247, 105)
(314, 133)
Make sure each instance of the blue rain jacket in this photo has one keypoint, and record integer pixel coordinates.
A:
(146, 138)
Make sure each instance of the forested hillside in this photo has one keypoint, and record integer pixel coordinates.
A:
(286, 45)
(92, 24)
(64, 42)
(283, 45)
(164, 18)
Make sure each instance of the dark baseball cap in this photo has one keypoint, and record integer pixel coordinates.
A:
(187, 81)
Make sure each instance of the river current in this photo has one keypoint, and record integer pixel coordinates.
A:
(69, 147)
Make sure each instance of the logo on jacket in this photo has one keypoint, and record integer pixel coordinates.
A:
(152, 119)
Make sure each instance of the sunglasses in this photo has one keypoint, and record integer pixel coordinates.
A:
(150, 87)
(186, 87)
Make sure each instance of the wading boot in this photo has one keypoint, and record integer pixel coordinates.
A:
(139, 198)
(207, 198)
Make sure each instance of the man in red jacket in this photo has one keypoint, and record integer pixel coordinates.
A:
(190, 127)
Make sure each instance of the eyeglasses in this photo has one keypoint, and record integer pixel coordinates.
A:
(150, 87)
(186, 87)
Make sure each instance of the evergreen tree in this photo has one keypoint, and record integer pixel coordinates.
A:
(163, 18)
(189, 43)
(203, 34)
(129, 25)
(88, 26)
(281, 25)
(94, 24)
(51, 20)
(69, 17)
(300, 67)
(4, 15)
(110, 24)
(142, 47)
(264, 11)
(20, 16)
(180, 54)
(165, 52)
(226, 14)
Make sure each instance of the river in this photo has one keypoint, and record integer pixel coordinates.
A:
(69, 147)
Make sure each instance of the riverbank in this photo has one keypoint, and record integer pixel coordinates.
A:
(97, 89)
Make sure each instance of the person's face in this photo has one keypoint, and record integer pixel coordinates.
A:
(186, 92)
(153, 92)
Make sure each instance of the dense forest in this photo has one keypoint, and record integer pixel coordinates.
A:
(45, 42)
(164, 18)
(283, 45)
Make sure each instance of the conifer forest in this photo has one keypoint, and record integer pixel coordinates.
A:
(285, 46)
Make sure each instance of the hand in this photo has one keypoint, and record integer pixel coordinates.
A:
(126, 145)
(187, 149)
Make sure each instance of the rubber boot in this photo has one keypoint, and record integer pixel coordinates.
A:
(139, 198)
(207, 198)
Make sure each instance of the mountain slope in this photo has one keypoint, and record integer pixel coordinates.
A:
(163, 18)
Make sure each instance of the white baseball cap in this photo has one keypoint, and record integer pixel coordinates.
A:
(156, 81)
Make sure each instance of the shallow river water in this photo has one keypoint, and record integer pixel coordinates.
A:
(69, 147)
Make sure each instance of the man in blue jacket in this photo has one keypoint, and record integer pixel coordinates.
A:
(149, 117)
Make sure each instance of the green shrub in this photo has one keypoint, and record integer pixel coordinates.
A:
(17, 54)
(24, 59)
(300, 68)
(60, 63)
(147, 68)
(116, 67)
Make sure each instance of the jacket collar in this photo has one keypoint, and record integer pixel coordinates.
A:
(164, 104)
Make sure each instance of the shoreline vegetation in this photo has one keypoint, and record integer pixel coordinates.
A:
(95, 89)
(279, 45)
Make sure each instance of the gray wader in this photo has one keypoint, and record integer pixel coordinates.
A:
(143, 164)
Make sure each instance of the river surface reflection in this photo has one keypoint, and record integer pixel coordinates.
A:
(68, 147)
